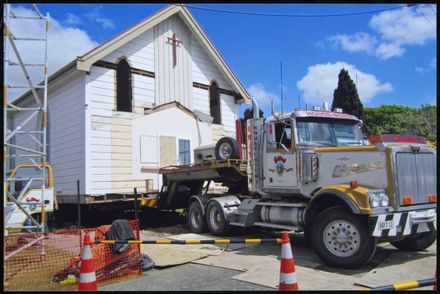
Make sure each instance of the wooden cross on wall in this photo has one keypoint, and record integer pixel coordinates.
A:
(175, 43)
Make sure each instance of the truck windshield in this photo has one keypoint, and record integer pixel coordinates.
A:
(327, 133)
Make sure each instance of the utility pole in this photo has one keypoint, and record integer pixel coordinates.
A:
(281, 74)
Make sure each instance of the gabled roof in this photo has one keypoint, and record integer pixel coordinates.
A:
(86, 61)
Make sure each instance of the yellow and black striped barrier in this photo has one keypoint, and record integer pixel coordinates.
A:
(191, 242)
(405, 285)
(149, 202)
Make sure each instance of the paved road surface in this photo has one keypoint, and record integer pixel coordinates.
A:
(186, 277)
(260, 270)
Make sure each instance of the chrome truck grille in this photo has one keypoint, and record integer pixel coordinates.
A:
(416, 176)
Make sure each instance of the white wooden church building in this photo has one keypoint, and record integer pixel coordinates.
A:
(142, 100)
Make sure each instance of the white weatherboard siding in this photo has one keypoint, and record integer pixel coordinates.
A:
(203, 68)
(204, 71)
(66, 133)
(140, 55)
(146, 134)
(109, 137)
(228, 111)
(139, 52)
(173, 83)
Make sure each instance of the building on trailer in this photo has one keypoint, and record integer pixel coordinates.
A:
(142, 100)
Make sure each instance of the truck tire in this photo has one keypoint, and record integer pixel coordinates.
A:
(341, 239)
(217, 223)
(417, 242)
(226, 148)
(196, 219)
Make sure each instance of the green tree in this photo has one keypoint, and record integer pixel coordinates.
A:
(396, 119)
(346, 96)
(249, 113)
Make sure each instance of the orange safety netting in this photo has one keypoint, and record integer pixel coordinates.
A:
(52, 264)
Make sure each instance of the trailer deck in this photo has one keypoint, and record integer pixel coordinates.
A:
(205, 170)
(183, 181)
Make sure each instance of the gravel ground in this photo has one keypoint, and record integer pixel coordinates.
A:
(164, 232)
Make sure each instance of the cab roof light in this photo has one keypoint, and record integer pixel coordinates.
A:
(432, 198)
(384, 138)
(407, 200)
(316, 108)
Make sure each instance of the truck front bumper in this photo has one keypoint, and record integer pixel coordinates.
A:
(403, 223)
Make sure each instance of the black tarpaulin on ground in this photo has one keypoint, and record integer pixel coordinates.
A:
(120, 230)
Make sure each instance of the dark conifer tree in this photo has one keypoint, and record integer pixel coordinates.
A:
(346, 96)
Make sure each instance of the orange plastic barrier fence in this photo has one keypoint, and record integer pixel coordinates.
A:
(52, 264)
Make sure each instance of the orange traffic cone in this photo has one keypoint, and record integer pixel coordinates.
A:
(87, 277)
(288, 278)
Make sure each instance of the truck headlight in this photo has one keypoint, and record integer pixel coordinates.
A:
(374, 200)
(384, 200)
(378, 199)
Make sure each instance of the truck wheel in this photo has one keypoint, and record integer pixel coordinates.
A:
(417, 242)
(226, 148)
(196, 219)
(217, 223)
(342, 240)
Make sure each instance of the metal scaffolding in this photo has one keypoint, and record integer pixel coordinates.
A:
(35, 115)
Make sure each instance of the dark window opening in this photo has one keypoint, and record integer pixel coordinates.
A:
(214, 103)
(123, 86)
(283, 134)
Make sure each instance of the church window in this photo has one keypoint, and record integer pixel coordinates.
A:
(123, 86)
(214, 102)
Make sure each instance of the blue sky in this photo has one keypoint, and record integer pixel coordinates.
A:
(390, 54)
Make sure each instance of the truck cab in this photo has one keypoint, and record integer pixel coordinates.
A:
(355, 193)
(289, 135)
(25, 187)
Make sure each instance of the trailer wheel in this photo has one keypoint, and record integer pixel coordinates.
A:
(217, 223)
(417, 242)
(196, 219)
(342, 240)
(226, 148)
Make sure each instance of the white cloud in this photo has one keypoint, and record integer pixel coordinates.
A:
(72, 19)
(412, 26)
(95, 15)
(106, 23)
(393, 31)
(406, 26)
(263, 97)
(354, 43)
(321, 80)
(431, 66)
(388, 50)
(64, 45)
